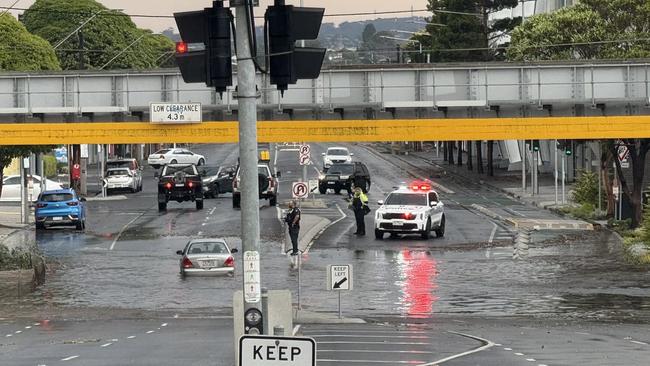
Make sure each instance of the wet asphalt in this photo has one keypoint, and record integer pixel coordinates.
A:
(124, 268)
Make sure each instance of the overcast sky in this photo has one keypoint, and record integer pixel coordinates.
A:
(168, 7)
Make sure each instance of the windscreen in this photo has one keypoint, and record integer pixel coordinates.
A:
(213, 247)
(113, 173)
(56, 197)
(403, 199)
(341, 169)
(118, 164)
(337, 152)
(209, 171)
(162, 152)
(187, 169)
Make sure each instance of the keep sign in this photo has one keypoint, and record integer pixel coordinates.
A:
(276, 351)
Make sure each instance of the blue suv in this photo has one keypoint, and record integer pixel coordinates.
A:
(60, 208)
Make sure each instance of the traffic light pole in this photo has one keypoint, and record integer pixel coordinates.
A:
(247, 97)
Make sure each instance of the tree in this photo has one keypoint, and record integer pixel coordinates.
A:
(105, 36)
(375, 47)
(594, 29)
(8, 153)
(22, 51)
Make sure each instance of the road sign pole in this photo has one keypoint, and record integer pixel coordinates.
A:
(563, 178)
(340, 313)
(299, 280)
(247, 97)
(555, 168)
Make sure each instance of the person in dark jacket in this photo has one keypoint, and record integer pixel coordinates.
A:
(359, 204)
(293, 222)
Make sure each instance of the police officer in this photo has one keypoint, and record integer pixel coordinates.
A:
(359, 205)
(293, 222)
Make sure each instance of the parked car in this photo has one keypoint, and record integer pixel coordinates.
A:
(336, 155)
(131, 164)
(207, 257)
(175, 156)
(217, 179)
(344, 176)
(11, 187)
(180, 183)
(61, 207)
(268, 184)
(120, 179)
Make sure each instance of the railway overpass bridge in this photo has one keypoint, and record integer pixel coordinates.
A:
(483, 101)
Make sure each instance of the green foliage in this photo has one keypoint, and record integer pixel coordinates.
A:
(49, 165)
(14, 259)
(585, 211)
(461, 31)
(375, 48)
(105, 36)
(22, 51)
(586, 188)
(592, 29)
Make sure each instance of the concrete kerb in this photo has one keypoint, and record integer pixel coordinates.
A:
(311, 317)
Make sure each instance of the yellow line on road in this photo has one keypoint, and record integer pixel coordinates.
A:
(331, 131)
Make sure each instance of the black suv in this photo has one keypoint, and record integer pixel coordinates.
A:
(180, 183)
(345, 176)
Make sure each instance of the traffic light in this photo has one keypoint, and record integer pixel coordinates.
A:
(565, 145)
(253, 323)
(211, 27)
(286, 25)
(535, 145)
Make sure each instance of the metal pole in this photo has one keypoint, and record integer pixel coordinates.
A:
(340, 314)
(563, 179)
(41, 171)
(299, 280)
(247, 97)
(555, 168)
(23, 192)
(532, 170)
(523, 166)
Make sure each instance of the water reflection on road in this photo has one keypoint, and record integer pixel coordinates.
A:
(587, 279)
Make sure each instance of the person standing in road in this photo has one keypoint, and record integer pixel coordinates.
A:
(293, 222)
(360, 207)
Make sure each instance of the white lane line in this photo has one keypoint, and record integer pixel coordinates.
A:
(212, 211)
(383, 343)
(374, 351)
(28, 327)
(69, 358)
(366, 336)
(37, 324)
(9, 335)
(507, 349)
(296, 329)
(583, 333)
(151, 331)
(106, 345)
(125, 227)
(313, 240)
(130, 337)
(163, 325)
(519, 354)
(530, 359)
(639, 342)
(199, 233)
(323, 331)
(19, 331)
(541, 364)
(343, 362)
(486, 345)
(494, 231)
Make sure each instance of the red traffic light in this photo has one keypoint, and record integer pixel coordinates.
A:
(181, 47)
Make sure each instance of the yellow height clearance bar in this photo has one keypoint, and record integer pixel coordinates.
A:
(331, 131)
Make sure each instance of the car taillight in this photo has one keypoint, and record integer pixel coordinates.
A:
(409, 216)
(41, 205)
(168, 185)
(230, 262)
(190, 184)
(73, 203)
(187, 263)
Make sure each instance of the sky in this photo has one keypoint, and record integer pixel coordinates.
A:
(168, 7)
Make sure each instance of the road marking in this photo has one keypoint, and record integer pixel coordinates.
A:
(363, 361)
(373, 351)
(486, 345)
(151, 331)
(28, 327)
(296, 329)
(494, 231)
(313, 240)
(507, 349)
(199, 233)
(519, 354)
(69, 358)
(212, 211)
(9, 335)
(163, 325)
(106, 345)
(383, 343)
(125, 227)
(37, 324)
(130, 337)
(19, 331)
(639, 342)
(530, 359)
(366, 336)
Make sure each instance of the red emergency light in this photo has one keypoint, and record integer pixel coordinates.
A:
(181, 47)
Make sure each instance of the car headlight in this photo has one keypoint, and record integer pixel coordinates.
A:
(321, 176)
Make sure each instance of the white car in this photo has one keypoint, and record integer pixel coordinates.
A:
(121, 178)
(336, 155)
(11, 187)
(174, 156)
(415, 209)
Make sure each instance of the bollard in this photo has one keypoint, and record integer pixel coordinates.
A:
(265, 311)
(278, 330)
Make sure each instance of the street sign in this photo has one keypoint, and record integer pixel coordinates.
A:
(175, 113)
(623, 156)
(313, 185)
(276, 351)
(300, 190)
(304, 155)
(339, 277)
(252, 289)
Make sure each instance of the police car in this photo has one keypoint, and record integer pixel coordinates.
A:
(412, 209)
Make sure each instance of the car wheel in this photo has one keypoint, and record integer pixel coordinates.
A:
(235, 201)
(156, 166)
(173, 161)
(80, 226)
(199, 205)
(426, 234)
(215, 191)
(40, 226)
(367, 187)
(337, 190)
(322, 189)
(273, 201)
(133, 190)
(162, 206)
(201, 162)
(379, 235)
(440, 231)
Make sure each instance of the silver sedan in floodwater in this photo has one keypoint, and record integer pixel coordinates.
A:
(204, 257)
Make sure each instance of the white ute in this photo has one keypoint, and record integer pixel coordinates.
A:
(415, 209)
